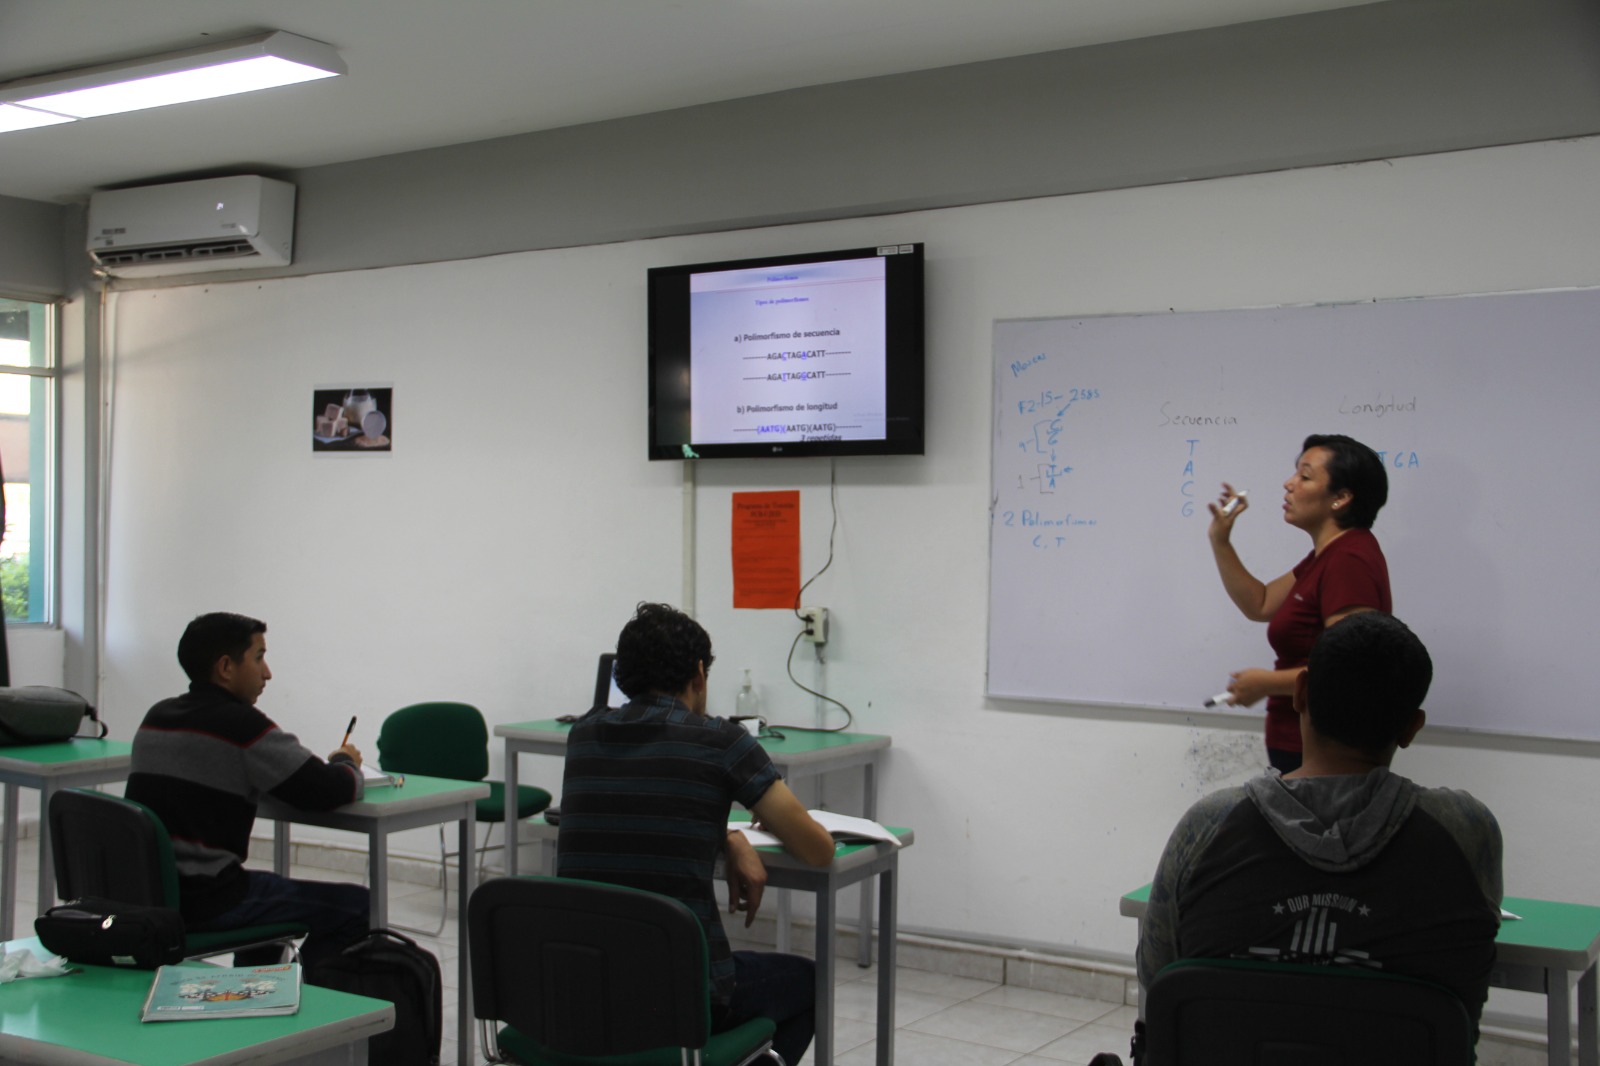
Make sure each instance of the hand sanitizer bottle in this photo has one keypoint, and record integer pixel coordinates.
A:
(748, 703)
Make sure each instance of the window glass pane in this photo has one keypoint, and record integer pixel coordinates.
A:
(25, 435)
(24, 336)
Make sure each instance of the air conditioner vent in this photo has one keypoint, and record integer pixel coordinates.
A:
(112, 258)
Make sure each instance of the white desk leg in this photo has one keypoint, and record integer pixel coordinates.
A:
(1588, 1025)
(8, 852)
(47, 861)
(280, 848)
(467, 865)
(513, 838)
(781, 933)
(822, 1042)
(869, 805)
(888, 924)
(1558, 1021)
(378, 879)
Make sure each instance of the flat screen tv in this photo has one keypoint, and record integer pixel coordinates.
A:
(797, 355)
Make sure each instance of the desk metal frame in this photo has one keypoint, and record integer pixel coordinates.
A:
(48, 768)
(853, 863)
(421, 801)
(799, 754)
(1528, 958)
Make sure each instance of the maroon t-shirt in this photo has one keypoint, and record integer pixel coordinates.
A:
(1350, 572)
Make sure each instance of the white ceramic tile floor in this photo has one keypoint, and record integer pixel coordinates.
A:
(940, 1018)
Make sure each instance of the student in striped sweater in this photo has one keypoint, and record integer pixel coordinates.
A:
(204, 759)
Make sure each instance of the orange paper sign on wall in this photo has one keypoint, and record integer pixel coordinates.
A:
(766, 549)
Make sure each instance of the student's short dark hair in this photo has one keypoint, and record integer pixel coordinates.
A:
(211, 636)
(1354, 466)
(1367, 678)
(660, 651)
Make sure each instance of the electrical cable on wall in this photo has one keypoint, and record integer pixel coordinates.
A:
(833, 498)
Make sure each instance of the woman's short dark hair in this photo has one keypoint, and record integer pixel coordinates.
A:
(1366, 680)
(211, 636)
(1354, 466)
(660, 651)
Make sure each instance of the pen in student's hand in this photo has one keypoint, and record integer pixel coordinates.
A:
(348, 730)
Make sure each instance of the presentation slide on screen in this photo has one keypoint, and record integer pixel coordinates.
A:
(789, 353)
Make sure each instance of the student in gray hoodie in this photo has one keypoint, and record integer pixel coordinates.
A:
(1340, 862)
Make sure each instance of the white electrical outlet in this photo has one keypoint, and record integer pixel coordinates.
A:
(816, 621)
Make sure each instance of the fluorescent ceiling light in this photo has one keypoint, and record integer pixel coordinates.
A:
(261, 62)
(21, 118)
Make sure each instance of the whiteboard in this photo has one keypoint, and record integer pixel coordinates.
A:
(1112, 433)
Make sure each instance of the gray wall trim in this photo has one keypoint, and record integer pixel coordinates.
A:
(1404, 77)
(32, 262)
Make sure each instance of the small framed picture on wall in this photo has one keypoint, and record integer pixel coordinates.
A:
(355, 419)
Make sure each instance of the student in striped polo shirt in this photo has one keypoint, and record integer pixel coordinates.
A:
(645, 800)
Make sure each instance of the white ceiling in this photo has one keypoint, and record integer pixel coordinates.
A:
(425, 73)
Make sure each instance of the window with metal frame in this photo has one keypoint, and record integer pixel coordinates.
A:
(28, 368)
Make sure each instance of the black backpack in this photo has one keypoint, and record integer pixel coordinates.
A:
(387, 965)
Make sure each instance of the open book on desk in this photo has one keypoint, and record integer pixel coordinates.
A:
(376, 778)
(843, 827)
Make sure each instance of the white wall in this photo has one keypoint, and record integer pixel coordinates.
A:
(504, 541)
(36, 654)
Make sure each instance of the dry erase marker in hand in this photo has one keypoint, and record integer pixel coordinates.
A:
(1222, 698)
(1227, 509)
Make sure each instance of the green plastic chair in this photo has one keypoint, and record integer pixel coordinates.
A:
(1204, 1011)
(451, 740)
(589, 974)
(119, 850)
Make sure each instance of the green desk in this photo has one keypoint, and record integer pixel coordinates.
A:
(421, 801)
(1540, 953)
(799, 754)
(49, 767)
(91, 1018)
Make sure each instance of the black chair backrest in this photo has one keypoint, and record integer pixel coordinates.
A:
(586, 968)
(1270, 1014)
(110, 847)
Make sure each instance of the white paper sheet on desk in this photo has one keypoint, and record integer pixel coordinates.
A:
(376, 778)
(841, 826)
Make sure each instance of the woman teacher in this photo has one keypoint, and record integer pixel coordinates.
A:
(1334, 494)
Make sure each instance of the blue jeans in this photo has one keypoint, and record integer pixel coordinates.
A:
(336, 914)
(780, 987)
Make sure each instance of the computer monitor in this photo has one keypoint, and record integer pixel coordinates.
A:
(606, 692)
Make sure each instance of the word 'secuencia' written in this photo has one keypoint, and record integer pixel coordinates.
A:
(788, 336)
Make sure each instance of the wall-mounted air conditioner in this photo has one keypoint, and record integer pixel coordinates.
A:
(193, 226)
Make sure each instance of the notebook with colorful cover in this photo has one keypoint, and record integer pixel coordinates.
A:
(183, 993)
